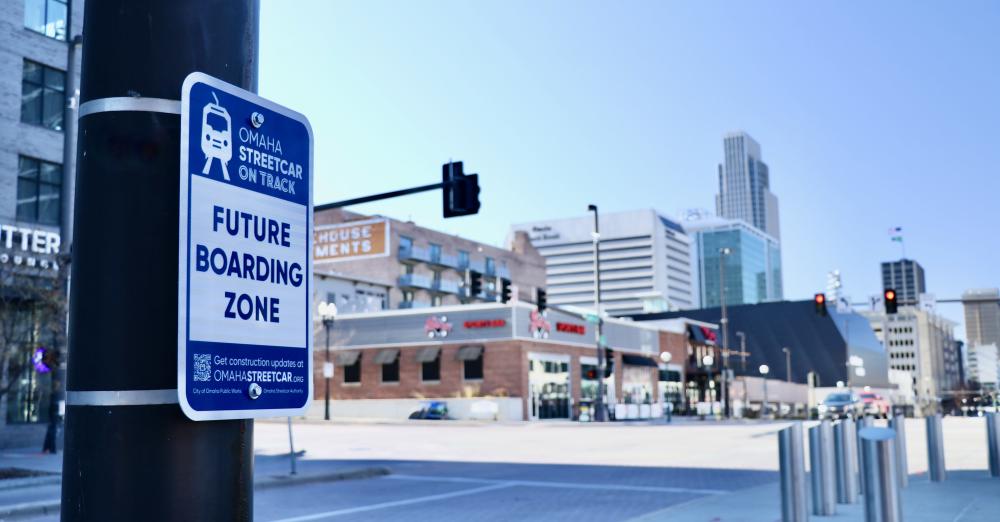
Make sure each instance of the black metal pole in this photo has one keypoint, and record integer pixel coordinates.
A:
(379, 197)
(326, 414)
(131, 454)
(599, 413)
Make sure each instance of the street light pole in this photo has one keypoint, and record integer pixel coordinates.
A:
(328, 311)
(743, 350)
(788, 363)
(708, 361)
(723, 252)
(764, 369)
(599, 327)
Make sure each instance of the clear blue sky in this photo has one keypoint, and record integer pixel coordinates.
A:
(870, 115)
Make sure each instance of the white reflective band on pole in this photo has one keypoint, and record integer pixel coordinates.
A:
(126, 103)
(121, 397)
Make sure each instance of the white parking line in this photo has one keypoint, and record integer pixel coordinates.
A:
(566, 485)
(395, 503)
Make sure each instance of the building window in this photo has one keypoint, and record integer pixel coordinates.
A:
(47, 17)
(473, 368)
(436, 300)
(352, 372)
(42, 95)
(463, 259)
(407, 296)
(390, 371)
(431, 370)
(38, 186)
(491, 266)
(435, 253)
(405, 245)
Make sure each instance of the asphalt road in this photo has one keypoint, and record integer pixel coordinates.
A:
(492, 491)
(523, 472)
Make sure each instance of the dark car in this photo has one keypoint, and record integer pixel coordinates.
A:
(841, 405)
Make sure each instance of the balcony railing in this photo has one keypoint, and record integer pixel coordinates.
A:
(405, 305)
(414, 281)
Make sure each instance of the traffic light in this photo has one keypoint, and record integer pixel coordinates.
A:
(819, 300)
(475, 282)
(460, 192)
(609, 362)
(891, 306)
(506, 291)
(541, 301)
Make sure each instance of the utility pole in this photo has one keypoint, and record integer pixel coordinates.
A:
(599, 327)
(723, 252)
(131, 454)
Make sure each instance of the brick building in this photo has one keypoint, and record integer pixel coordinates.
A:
(422, 267)
(504, 357)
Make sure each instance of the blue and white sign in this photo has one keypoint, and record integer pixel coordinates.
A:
(244, 291)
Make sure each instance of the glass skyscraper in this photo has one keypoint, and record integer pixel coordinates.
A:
(745, 186)
(752, 267)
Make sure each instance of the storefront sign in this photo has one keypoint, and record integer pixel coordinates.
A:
(351, 241)
(485, 323)
(578, 329)
(244, 291)
(29, 247)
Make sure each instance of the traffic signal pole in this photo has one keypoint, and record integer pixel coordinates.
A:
(130, 452)
(599, 413)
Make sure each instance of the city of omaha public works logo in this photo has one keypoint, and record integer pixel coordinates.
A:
(216, 137)
(437, 327)
(539, 326)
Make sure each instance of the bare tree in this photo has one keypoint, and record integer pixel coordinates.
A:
(32, 314)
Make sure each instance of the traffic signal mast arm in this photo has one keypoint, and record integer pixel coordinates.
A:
(460, 191)
(384, 195)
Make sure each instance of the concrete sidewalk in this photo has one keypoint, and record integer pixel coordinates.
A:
(41, 495)
(965, 496)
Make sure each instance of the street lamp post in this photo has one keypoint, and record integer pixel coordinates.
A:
(599, 327)
(788, 364)
(743, 350)
(764, 371)
(328, 311)
(708, 361)
(723, 252)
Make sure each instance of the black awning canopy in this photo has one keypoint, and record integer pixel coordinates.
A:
(639, 360)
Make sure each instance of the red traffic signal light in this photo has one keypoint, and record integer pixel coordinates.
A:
(820, 302)
(891, 305)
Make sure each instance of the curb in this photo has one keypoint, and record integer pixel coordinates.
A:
(41, 507)
(277, 481)
(46, 480)
(48, 507)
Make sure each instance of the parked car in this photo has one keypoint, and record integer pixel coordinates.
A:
(875, 404)
(841, 405)
(431, 410)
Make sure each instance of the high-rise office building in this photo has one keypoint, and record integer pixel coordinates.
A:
(906, 277)
(982, 316)
(982, 329)
(752, 266)
(646, 262)
(744, 185)
(921, 343)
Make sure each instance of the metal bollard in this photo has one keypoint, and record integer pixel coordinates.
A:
(823, 475)
(847, 480)
(935, 449)
(863, 422)
(993, 442)
(794, 506)
(881, 487)
(898, 424)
